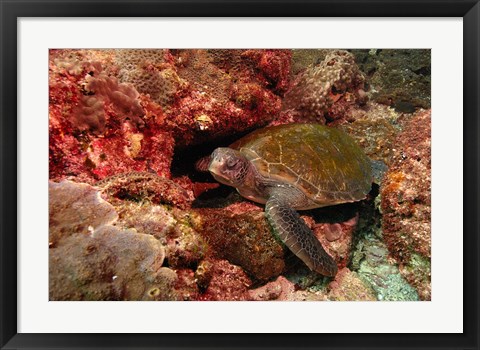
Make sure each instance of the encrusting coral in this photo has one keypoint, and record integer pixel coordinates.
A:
(318, 88)
(406, 202)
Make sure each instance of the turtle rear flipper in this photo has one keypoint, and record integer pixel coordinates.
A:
(296, 235)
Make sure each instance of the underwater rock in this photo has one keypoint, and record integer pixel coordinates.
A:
(283, 289)
(244, 239)
(173, 227)
(186, 286)
(274, 66)
(399, 78)
(373, 265)
(305, 58)
(374, 128)
(145, 186)
(229, 282)
(347, 286)
(186, 247)
(148, 218)
(130, 150)
(337, 238)
(406, 203)
(280, 289)
(65, 149)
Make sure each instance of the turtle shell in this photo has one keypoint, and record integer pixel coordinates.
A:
(324, 163)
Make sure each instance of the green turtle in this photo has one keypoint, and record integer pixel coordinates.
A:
(295, 167)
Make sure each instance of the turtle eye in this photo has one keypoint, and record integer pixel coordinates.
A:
(231, 162)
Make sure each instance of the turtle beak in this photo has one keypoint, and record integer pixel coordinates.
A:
(215, 169)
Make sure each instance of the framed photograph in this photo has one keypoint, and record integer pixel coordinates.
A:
(239, 174)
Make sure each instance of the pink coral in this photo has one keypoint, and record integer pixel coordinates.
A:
(104, 91)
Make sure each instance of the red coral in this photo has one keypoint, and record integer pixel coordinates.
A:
(275, 66)
(100, 127)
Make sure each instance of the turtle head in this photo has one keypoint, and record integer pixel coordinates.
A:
(229, 166)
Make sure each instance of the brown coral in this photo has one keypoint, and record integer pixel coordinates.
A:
(318, 88)
(151, 72)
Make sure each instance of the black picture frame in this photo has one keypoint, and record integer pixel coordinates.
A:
(11, 10)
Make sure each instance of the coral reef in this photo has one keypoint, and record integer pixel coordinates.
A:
(406, 202)
(114, 111)
(130, 218)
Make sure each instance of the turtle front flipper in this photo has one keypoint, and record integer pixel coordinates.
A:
(296, 235)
